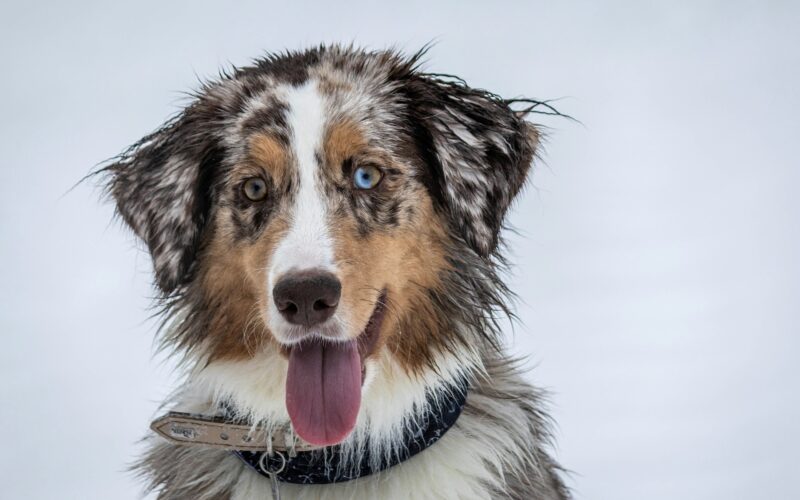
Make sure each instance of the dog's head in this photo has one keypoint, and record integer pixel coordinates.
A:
(334, 208)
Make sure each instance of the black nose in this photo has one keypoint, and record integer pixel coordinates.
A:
(307, 297)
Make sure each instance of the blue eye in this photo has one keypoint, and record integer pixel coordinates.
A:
(367, 177)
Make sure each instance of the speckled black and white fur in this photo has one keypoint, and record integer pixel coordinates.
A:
(453, 158)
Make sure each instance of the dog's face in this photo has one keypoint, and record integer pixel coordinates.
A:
(322, 221)
(313, 205)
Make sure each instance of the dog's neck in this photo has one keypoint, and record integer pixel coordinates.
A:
(501, 432)
(253, 391)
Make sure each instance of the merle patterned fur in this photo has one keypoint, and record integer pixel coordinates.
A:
(472, 153)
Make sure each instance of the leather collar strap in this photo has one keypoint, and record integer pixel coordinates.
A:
(323, 465)
(293, 461)
(221, 432)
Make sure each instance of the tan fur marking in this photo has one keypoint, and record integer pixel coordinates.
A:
(233, 273)
(406, 262)
(233, 277)
(267, 152)
(343, 140)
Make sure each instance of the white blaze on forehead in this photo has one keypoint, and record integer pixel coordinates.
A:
(307, 245)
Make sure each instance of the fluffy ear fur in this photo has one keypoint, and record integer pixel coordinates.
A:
(479, 150)
(161, 186)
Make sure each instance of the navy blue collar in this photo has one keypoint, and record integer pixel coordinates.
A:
(324, 466)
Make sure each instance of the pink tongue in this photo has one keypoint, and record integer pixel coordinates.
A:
(323, 390)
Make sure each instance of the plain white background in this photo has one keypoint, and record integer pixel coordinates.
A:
(656, 259)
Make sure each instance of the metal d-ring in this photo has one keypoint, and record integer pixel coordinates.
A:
(263, 463)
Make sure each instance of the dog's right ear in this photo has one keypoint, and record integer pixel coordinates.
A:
(161, 187)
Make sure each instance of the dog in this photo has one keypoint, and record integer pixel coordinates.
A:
(324, 227)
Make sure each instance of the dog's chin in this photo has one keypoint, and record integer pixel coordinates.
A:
(324, 380)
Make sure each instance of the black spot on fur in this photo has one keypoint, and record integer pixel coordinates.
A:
(270, 118)
(289, 67)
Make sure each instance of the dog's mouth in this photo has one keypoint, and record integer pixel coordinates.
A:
(323, 384)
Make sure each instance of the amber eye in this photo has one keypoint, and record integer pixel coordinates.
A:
(255, 189)
(367, 177)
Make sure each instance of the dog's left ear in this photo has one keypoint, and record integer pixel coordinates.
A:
(161, 186)
(479, 149)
